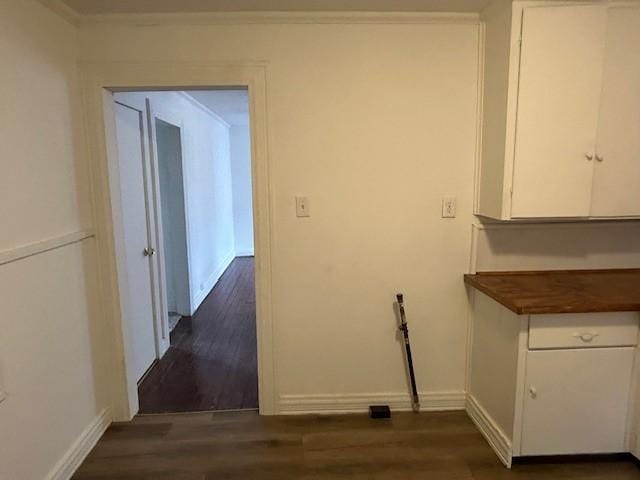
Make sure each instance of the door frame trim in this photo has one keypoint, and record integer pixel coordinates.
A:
(99, 80)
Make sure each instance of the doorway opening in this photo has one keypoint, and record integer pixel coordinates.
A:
(187, 248)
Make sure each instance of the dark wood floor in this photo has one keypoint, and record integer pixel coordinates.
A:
(212, 362)
(243, 445)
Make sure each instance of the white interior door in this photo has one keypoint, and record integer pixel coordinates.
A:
(561, 66)
(616, 185)
(576, 401)
(167, 139)
(139, 304)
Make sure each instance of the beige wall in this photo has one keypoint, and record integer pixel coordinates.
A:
(375, 123)
(48, 356)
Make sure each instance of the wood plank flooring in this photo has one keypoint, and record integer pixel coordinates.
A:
(212, 361)
(243, 445)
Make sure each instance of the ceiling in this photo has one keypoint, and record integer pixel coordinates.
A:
(231, 105)
(183, 6)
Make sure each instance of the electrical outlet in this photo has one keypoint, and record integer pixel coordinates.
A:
(302, 207)
(449, 207)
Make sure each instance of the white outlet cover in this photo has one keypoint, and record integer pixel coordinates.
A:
(449, 207)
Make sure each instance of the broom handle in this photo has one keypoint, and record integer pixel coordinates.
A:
(415, 401)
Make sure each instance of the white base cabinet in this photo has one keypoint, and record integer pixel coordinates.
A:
(558, 384)
(576, 401)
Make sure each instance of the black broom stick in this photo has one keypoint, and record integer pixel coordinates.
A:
(415, 401)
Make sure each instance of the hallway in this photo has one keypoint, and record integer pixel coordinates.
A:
(212, 361)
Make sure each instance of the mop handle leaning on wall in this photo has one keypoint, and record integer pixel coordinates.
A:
(415, 401)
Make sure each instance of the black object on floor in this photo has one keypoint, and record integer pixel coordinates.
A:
(379, 411)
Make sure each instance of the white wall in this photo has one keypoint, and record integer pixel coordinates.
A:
(50, 350)
(242, 194)
(556, 246)
(376, 124)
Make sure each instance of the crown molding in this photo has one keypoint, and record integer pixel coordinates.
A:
(203, 107)
(277, 18)
(63, 10)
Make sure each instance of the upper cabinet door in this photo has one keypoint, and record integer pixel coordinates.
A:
(616, 185)
(561, 64)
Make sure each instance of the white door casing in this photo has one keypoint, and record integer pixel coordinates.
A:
(99, 79)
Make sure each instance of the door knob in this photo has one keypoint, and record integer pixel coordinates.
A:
(148, 252)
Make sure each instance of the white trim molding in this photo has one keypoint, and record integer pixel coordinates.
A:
(490, 430)
(73, 458)
(187, 96)
(63, 10)
(42, 246)
(279, 18)
(99, 81)
(359, 402)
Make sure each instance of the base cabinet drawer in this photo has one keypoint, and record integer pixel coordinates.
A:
(576, 401)
(583, 330)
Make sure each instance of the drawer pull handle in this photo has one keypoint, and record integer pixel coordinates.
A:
(586, 337)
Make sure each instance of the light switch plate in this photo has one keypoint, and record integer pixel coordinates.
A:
(302, 207)
(449, 207)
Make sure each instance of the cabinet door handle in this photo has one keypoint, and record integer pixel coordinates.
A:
(148, 252)
(599, 158)
(586, 336)
(533, 392)
(588, 156)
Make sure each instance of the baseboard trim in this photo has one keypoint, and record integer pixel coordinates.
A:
(490, 430)
(69, 463)
(359, 403)
(211, 282)
(244, 253)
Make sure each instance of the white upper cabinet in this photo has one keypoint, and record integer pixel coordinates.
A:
(616, 183)
(561, 60)
(561, 111)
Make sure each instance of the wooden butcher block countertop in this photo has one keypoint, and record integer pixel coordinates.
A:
(567, 291)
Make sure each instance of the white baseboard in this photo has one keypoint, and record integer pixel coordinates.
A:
(69, 463)
(488, 427)
(358, 403)
(244, 253)
(211, 281)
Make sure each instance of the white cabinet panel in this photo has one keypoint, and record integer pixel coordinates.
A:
(583, 330)
(576, 401)
(616, 186)
(561, 64)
